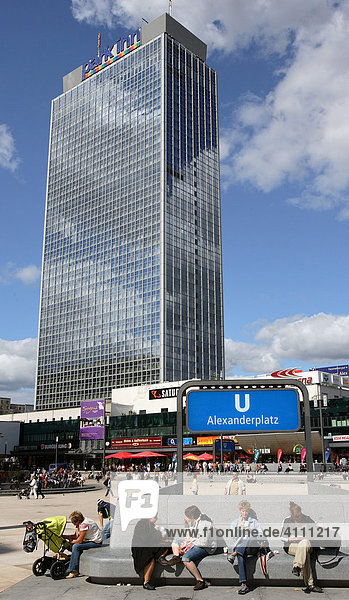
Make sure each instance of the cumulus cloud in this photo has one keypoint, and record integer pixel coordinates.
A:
(17, 365)
(222, 26)
(27, 275)
(297, 131)
(8, 155)
(321, 338)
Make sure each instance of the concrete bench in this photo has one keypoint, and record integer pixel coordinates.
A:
(113, 563)
(105, 565)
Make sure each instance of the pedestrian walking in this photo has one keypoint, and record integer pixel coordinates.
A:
(33, 487)
(235, 486)
(107, 484)
(195, 487)
(39, 487)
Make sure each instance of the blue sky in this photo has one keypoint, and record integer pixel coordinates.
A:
(284, 106)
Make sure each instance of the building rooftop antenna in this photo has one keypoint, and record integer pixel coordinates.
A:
(170, 7)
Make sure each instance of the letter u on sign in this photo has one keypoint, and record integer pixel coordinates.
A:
(238, 405)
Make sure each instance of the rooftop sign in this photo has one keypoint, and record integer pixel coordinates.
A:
(111, 54)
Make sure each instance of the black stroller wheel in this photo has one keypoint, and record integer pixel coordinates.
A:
(58, 569)
(39, 567)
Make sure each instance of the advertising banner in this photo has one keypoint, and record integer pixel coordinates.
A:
(92, 420)
(163, 393)
(340, 438)
(297, 449)
(257, 454)
(141, 442)
(206, 441)
(66, 446)
(279, 454)
(303, 455)
(336, 370)
(186, 441)
(327, 454)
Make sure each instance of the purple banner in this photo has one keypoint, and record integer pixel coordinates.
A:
(92, 409)
(92, 420)
(91, 433)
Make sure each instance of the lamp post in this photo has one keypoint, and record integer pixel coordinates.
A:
(106, 445)
(321, 402)
(56, 452)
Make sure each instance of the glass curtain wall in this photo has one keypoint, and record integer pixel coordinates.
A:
(193, 300)
(100, 300)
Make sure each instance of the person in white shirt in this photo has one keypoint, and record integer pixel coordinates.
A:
(33, 487)
(235, 486)
(87, 535)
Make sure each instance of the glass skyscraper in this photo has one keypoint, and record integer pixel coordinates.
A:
(132, 267)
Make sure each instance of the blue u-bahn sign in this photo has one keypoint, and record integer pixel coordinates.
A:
(243, 411)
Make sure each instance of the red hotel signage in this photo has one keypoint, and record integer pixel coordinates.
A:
(140, 442)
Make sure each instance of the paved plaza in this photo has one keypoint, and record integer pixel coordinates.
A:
(17, 581)
(41, 588)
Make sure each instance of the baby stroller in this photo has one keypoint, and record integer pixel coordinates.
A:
(50, 531)
(24, 492)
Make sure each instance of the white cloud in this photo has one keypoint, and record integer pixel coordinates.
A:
(298, 132)
(321, 338)
(222, 26)
(29, 274)
(22, 396)
(17, 365)
(295, 133)
(8, 155)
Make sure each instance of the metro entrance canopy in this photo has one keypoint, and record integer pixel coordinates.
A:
(244, 406)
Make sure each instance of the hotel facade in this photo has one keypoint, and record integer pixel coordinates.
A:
(132, 260)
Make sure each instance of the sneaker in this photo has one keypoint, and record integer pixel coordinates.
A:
(270, 554)
(72, 574)
(200, 585)
(148, 586)
(296, 571)
(244, 589)
(174, 560)
(231, 558)
(315, 588)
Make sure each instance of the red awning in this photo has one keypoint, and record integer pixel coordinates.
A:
(122, 454)
(147, 454)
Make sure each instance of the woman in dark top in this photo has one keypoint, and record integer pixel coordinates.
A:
(147, 547)
(296, 544)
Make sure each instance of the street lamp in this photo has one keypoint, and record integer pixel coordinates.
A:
(106, 444)
(56, 452)
(319, 404)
